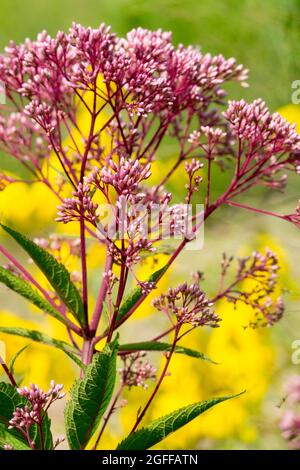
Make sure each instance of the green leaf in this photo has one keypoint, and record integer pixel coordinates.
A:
(20, 286)
(14, 358)
(55, 272)
(162, 427)
(39, 337)
(9, 401)
(7, 437)
(158, 346)
(90, 397)
(134, 296)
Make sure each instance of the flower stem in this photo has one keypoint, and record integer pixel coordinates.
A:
(101, 296)
(109, 414)
(253, 209)
(160, 380)
(84, 267)
(40, 426)
(87, 352)
(9, 375)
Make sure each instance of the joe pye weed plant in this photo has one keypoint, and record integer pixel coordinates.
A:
(135, 93)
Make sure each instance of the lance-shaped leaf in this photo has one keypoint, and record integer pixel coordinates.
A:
(22, 287)
(90, 397)
(159, 429)
(12, 362)
(39, 337)
(9, 401)
(134, 296)
(55, 272)
(159, 346)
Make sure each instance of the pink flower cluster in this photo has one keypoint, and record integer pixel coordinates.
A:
(254, 284)
(125, 176)
(254, 124)
(147, 88)
(290, 422)
(34, 412)
(267, 142)
(189, 305)
(137, 371)
(157, 76)
(80, 205)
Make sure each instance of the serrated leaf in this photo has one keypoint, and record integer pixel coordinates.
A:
(90, 397)
(159, 346)
(159, 429)
(55, 272)
(134, 296)
(9, 401)
(39, 337)
(20, 286)
(14, 358)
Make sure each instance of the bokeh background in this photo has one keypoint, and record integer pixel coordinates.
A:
(265, 37)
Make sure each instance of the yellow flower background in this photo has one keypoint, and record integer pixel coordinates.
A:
(258, 360)
(246, 358)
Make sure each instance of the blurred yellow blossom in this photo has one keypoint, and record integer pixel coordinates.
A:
(246, 359)
(291, 112)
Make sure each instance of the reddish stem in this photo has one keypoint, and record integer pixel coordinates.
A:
(9, 375)
(207, 198)
(160, 380)
(101, 296)
(109, 414)
(84, 268)
(253, 209)
(122, 283)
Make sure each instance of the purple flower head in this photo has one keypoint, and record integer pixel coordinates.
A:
(189, 305)
(290, 428)
(137, 371)
(254, 284)
(125, 175)
(34, 412)
(293, 389)
(262, 130)
(80, 204)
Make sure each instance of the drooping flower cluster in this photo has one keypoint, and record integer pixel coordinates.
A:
(268, 144)
(36, 405)
(194, 180)
(136, 370)
(132, 252)
(254, 124)
(290, 421)
(80, 205)
(254, 284)
(189, 305)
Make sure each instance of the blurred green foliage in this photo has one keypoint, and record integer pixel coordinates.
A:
(263, 35)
